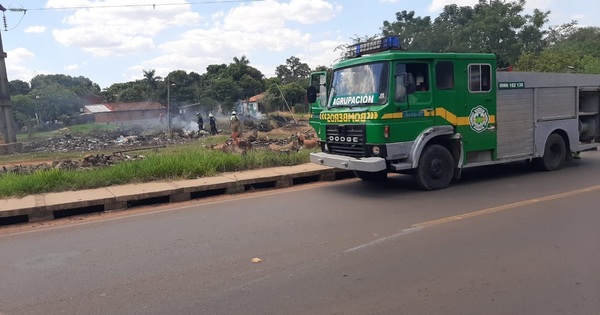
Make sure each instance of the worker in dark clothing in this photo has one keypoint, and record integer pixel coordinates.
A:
(200, 122)
(213, 124)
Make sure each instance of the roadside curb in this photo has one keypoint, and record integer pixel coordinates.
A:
(50, 206)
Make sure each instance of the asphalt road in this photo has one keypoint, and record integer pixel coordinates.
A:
(504, 240)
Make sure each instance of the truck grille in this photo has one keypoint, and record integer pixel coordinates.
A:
(347, 140)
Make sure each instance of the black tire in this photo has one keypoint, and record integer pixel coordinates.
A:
(371, 176)
(555, 154)
(436, 167)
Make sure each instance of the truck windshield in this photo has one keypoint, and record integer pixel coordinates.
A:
(360, 85)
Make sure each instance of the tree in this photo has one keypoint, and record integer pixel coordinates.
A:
(572, 49)
(151, 80)
(414, 31)
(25, 110)
(490, 26)
(250, 79)
(584, 40)
(241, 61)
(293, 70)
(81, 86)
(18, 87)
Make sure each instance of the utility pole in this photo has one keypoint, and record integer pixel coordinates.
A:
(169, 106)
(8, 136)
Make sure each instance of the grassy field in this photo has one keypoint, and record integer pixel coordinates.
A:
(183, 161)
(177, 162)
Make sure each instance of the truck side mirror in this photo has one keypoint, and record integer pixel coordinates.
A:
(311, 94)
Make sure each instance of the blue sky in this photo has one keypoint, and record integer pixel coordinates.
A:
(113, 41)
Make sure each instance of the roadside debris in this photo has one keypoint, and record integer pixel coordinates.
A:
(88, 162)
(274, 134)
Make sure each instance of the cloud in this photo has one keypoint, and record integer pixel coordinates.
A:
(35, 29)
(19, 55)
(16, 68)
(268, 14)
(438, 5)
(119, 30)
(248, 29)
(322, 53)
(74, 66)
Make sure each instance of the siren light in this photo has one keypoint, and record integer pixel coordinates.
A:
(374, 46)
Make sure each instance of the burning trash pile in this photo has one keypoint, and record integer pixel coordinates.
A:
(276, 136)
(106, 140)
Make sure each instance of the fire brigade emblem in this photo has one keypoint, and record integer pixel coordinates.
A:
(479, 118)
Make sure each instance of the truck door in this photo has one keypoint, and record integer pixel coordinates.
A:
(417, 108)
(479, 129)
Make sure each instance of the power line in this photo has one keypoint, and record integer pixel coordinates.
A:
(135, 5)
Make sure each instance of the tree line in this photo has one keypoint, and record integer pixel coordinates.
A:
(519, 41)
(500, 27)
(59, 97)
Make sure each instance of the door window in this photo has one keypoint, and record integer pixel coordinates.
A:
(480, 78)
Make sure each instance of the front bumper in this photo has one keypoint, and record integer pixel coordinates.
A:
(367, 164)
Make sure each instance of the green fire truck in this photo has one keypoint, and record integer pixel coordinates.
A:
(387, 110)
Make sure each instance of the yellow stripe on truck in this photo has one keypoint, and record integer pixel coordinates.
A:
(442, 113)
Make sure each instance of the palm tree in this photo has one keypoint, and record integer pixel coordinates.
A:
(150, 78)
(241, 61)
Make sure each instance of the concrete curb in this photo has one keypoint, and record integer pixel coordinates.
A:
(52, 206)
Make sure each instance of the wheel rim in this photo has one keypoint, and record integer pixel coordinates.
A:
(437, 168)
(555, 152)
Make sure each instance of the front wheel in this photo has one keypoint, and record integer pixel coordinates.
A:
(371, 176)
(436, 167)
(555, 154)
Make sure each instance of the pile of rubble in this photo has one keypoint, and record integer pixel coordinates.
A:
(107, 141)
(88, 162)
(121, 142)
(250, 140)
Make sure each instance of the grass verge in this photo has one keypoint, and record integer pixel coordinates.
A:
(181, 162)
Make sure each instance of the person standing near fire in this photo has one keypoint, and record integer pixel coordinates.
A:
(200, 122)
(213, 124)
(234, 124)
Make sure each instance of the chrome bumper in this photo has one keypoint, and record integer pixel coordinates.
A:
(369, 164)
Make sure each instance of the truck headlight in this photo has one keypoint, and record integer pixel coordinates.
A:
(325, 148)
(376, 151)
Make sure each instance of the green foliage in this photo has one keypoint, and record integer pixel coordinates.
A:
(572, 50)
(80, 86)
(300, 108)
(132, 92)
(292, 92)
(292, 71)
(490, 26)
(175, 163)
(18, 87)
(24, 107)
(558, 61)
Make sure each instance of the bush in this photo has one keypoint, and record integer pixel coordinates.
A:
(300, 108)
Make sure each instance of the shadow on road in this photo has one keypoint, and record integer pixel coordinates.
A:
(399, 184)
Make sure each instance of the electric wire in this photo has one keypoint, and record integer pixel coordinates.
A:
(154, 5)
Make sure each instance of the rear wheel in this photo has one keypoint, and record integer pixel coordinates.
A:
(371, 176)
(435, 169)
(555, 154)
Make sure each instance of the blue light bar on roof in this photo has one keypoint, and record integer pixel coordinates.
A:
(373, 46)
